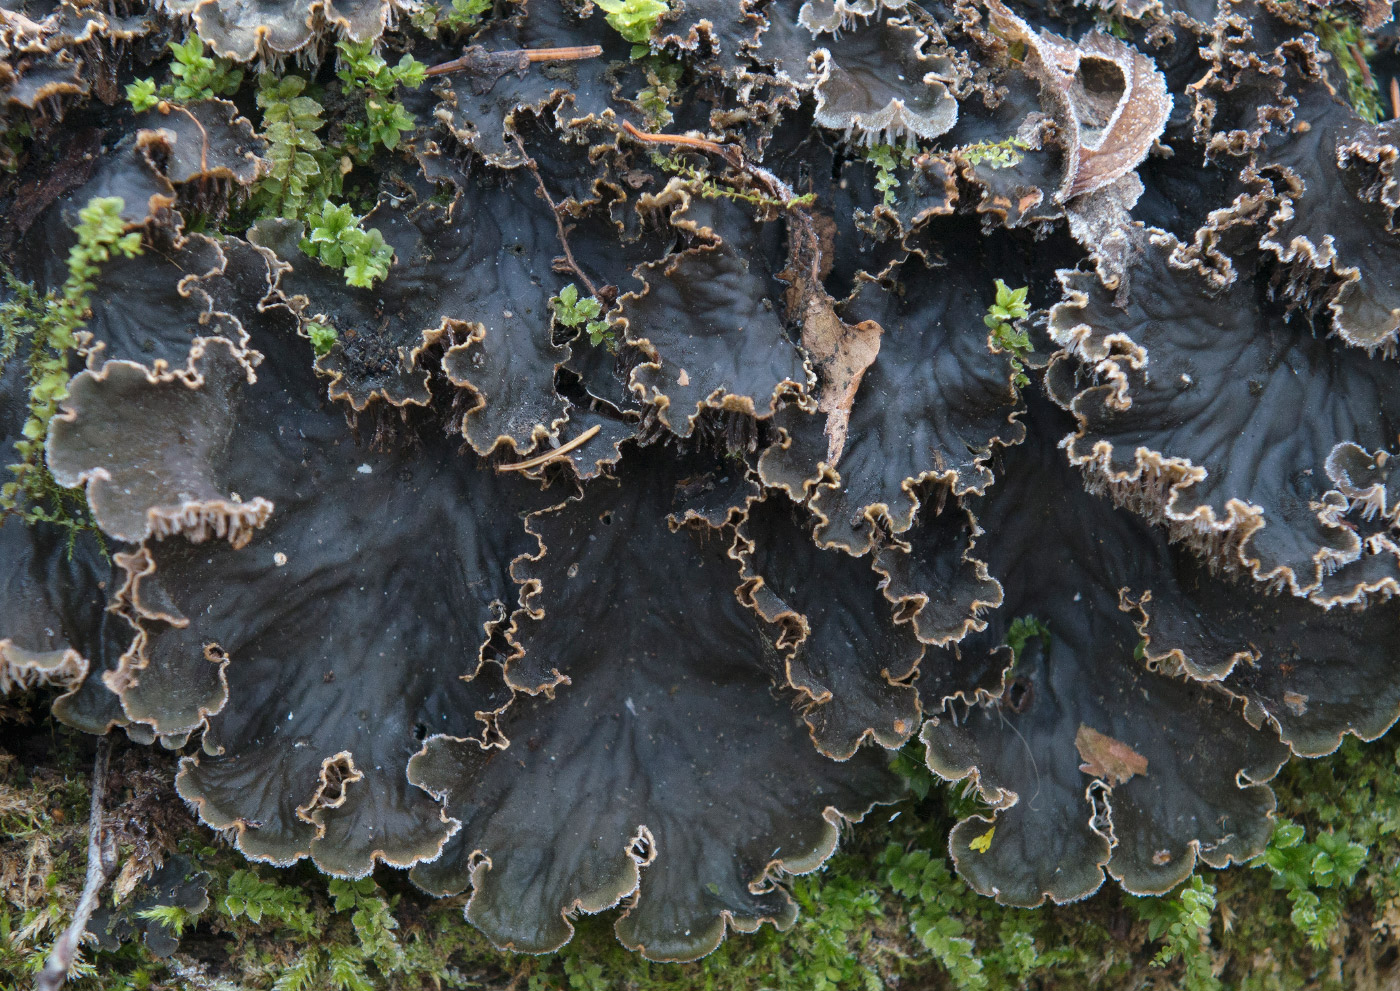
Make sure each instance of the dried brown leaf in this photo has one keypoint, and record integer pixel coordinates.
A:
(1105, 757)
(840, 353)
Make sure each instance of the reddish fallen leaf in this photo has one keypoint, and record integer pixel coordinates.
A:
(1105, 757)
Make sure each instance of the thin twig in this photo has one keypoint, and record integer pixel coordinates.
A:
(102, 860)
(558, 221)
(682, 141)
(1395, 97)
(165, 108)
(554, 453)
(570, 54)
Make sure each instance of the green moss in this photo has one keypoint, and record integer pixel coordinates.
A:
(458, 17)
(47, 326)
(711, 186)
(994, 154)
(307, 175)
(886, 912)
(338, 238)
(323, 337)
(1350, 48)
(194, 76)
(1182, 924)
(663, 81)
(888, 160)
(373, 80)
(574, 311)
(303, 170)
(1023, 628)
(635, 20)
(43, 838)
(1009, 306)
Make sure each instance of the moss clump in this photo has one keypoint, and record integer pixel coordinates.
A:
(1350, 48)
(1009, 306)
(48, 325)
(1319, 911)
(195, 75)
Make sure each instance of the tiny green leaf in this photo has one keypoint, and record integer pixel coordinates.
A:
(323, 338)
(635, 20)
(142, 94)
(1010, 305)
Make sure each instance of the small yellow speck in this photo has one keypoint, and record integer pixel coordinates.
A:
(983, 843)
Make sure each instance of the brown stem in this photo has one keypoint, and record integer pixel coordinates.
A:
(570, 54)
(1395, 97)
(574, 53)
(554, 453)
(166, 108)
(681, 140)
(443, 68)
(558, 222)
